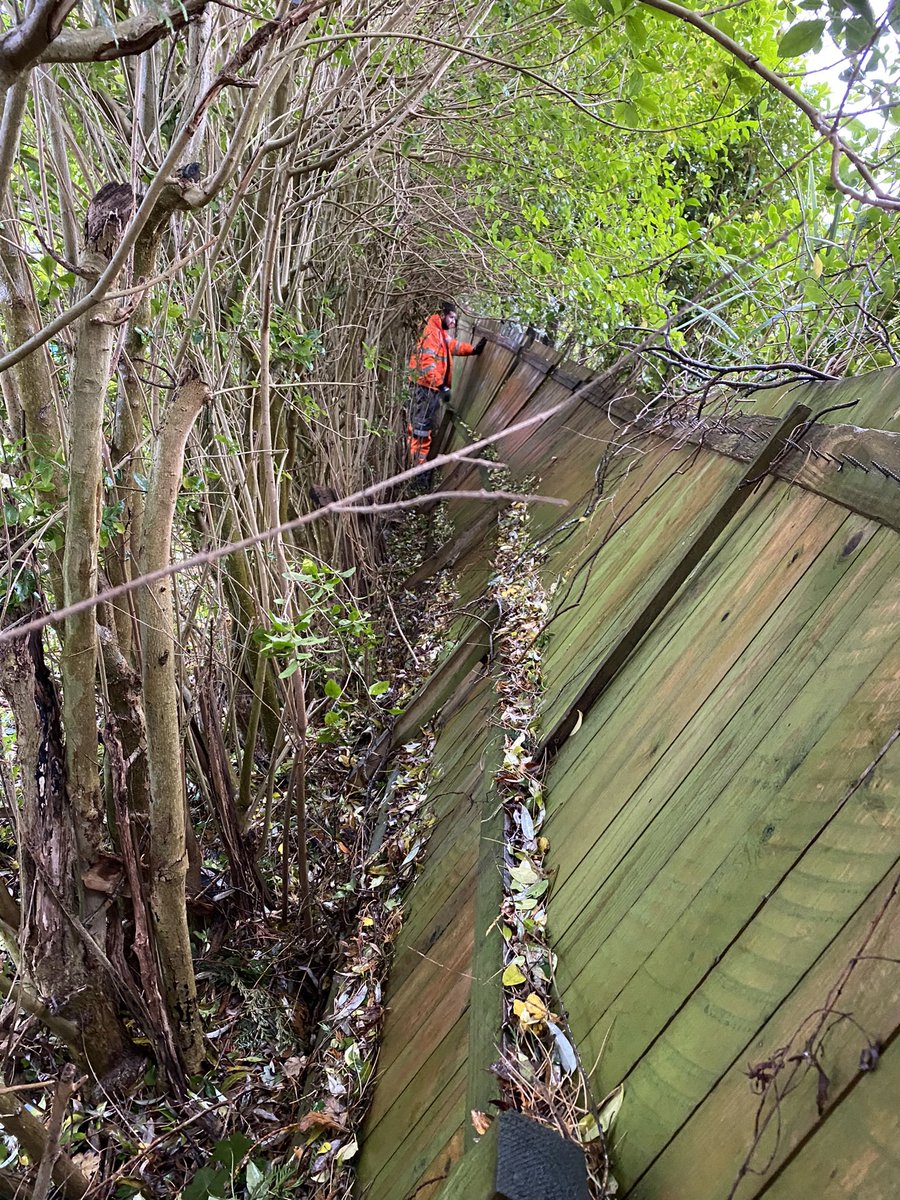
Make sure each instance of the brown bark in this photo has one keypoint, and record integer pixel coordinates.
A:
(123, 690)
(125, 447)
(32, 1137)
(245, 876)
(65, 1089)
(25, 42)
(55, 960)
(161, 1032)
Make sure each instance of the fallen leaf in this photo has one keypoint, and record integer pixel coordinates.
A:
(532, 1012)
(347, 1151)
(352, 1004)
(609, 1107)
(88, 1161)
(525, 823)
(587, 1128)
(293, 1066)
(524, 874)
(321, 1121)
(512, 976)
(481, 1122)
(567, 1057)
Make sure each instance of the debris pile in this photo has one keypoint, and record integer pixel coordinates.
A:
(539, 1069)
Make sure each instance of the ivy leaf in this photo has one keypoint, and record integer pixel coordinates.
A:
(800, 38)
(378, 689)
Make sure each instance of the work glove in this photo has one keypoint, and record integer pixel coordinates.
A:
(479, 346)
(444, 395)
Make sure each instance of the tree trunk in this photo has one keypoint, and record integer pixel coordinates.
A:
(168, 852)
(56, 959)
(95, 336)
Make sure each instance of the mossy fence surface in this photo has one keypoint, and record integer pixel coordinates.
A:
(721, 714)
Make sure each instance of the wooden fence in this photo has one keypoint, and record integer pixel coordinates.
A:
(721, 720)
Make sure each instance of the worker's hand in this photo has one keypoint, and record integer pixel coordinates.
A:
(479, 346)
(444, 395)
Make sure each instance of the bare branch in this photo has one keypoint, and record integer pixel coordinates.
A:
(108, 42)
(23, 45)
(347, 503)
(876, 197)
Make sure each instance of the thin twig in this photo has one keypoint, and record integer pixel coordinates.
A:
(65, 1089)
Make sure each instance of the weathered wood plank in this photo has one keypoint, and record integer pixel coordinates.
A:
(472, 1178)
(718, 1140)
(464, 727)
(856, 1152)
(721, 650)
(795, 923)
(701, 543)
(652, 881)
(450, 892)
(573, 542)
(468, 372)
(440, 1066)
(425, 1010)
(766, 535)
(530, 447)
(435, 1174)
(878, 393)
(485, 1001)
(515, 391)
(469, 649)
(719, 862)
(628, 571)
(855, 467)
(394, 1162)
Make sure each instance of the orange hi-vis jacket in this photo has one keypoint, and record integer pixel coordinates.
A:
(430, 362)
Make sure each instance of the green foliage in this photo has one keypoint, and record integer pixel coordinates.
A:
(677, 172)
(219, 1176)
(800, 38)
(330, 641)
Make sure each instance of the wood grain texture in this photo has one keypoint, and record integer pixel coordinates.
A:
(718, 1146)
(632, 632)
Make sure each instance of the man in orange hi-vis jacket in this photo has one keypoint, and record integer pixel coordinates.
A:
(431, 370)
